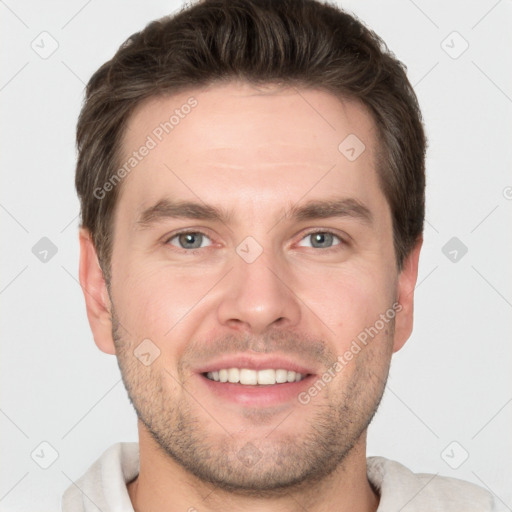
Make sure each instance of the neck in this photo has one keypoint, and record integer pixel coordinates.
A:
(164, 485)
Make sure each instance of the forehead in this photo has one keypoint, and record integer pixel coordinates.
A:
(245, 143)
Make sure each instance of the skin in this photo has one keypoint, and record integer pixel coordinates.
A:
(255, 152)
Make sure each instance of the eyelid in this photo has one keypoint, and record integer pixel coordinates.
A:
(343, 238)
(201, 231)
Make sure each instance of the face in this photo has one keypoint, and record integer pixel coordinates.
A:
(249, 244)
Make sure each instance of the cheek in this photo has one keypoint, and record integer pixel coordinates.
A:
(349, 301)
(156, 302)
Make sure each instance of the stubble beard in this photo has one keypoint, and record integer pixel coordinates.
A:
(290, 457)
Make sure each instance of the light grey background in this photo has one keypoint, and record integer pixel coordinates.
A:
(452, 380)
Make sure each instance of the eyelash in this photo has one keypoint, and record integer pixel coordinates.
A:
(342, 241)
(335, 247)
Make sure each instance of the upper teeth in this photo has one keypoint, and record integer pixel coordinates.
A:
(252, 377)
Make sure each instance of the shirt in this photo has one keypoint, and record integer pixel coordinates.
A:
(103, 487)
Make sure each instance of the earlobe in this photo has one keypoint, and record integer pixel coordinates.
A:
(96, 296)
(405, 296)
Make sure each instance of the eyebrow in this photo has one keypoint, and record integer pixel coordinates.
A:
(331, 208)
(167, 209)
(315, 209)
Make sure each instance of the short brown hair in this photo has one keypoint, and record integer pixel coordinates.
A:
(301, 43)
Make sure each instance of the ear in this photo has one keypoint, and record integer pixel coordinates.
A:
(405, 296)
(97, 300)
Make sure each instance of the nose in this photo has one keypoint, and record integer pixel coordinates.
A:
(259, 296)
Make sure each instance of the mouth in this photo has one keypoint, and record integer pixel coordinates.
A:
(252, 381)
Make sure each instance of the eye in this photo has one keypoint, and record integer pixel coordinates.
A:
(321, 240)
(189, 240)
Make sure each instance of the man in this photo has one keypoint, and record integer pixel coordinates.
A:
(251, 177)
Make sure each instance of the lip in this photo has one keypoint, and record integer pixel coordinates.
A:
(255, 363)
(256, 395)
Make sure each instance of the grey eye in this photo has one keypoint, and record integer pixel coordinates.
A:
(320, 240)
(190, 240)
